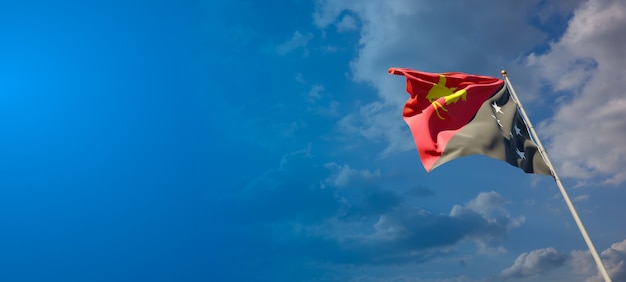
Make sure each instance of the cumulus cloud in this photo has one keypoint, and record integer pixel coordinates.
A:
(582, 262)
(347, 23)
(344, 175)
(404, 234)
(485, 202)
(534, 263)
(490, 207)
(614, 259)
(353, 220)
(318, 100)
(581, 198)
(558, 11)
(343, 222)
(542, 261)
(408, 234)
(381, 123)
(315, 93)
(403, 34)
(587, 130)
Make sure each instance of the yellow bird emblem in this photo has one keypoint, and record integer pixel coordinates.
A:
(450, 94)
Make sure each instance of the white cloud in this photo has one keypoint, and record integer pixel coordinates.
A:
(315, 93)
(298, 40)
(558, 10)
(402, 34)
(614, 259)
(582, 262)
(581, 198)
(344, 175)
(379, 122)
(586, 134)
(320, 102)
(534, 263)
(485, 202)
(347, 23)
(292, 128)
(407, 233)
(490, 206)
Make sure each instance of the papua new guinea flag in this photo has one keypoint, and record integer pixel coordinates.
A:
(456, 114)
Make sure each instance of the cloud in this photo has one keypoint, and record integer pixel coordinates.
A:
(298, 40)
(408, 234)
(587, 129)
(534, 263)
(558, 11)
(614, 259)
(490, 207)
(347, 23)
(289, 193)
(582, 262)
(352, 220)
(319, 102)
(485, 202)
(344, 175)
(315, 93)
(404, 234)
(379, 122)
(581, 198)
(402, 34)
(542, 261)
(323, 217)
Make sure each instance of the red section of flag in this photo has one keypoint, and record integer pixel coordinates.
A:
(440, 105)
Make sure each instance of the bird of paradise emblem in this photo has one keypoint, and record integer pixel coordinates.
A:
(450, 96)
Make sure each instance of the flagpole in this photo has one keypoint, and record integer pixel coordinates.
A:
(544, 155)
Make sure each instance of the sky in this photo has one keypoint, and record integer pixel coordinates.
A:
(263, 141)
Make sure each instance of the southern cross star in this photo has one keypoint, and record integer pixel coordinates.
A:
(497, 108)
(499, 123)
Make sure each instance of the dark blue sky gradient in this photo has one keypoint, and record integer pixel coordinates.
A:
(106, 143)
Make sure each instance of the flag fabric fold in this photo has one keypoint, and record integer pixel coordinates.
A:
(452, 115)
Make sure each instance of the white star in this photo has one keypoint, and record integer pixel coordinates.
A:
(511, 134)
(517, 130)
(499, 123)
(496, 107)
(520, 153)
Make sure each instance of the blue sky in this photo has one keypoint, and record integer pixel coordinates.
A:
(263, 141)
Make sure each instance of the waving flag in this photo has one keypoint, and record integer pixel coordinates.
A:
(455, 114)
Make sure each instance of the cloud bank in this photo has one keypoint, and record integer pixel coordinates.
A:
(334, 214)
(534, 263)
(614, 259)
(587, 129)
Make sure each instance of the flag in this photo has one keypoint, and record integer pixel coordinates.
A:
(452, 115)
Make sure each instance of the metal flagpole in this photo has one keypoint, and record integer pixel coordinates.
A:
(544, 155)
